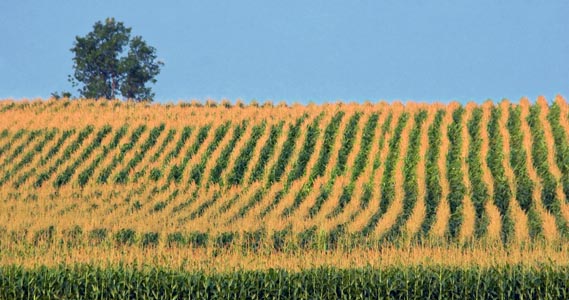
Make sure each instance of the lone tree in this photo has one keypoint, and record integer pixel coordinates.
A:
(108, 62)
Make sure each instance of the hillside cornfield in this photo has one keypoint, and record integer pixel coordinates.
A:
(464, 190)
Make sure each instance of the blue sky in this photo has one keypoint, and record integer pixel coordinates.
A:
(301, 51)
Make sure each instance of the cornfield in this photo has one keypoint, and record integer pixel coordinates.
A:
(83, 282)
(414, 200)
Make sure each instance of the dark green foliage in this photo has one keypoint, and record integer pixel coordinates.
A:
(48, 136)
(286, 152)
(410, 184)
(299, 166)
(502, 192)
(65, 176)
(396, 282)
(280, 238)
(388, 184)
(242, 161)
(150, 239)
(368, 186)
(318, 170)
(55, 149)
(122, 175)
(176, 239)
(44, 236)
(159, 206)
(155, 174)
(434, 189)
(524, 184)
(366, 195)
(97, 236)
(83, 134)
(223, 160)
(31, 136)
(74, 236)
(199, 239)
(186, 132)
(561, 146)
(167, 140)
(454, 174)
(307, 238)
(18, 135)
(85, 176)
(225, 239)
(479, 194)
(333, 238)
(4, 133)
(368, 135)
(266, 152)
(197, 171)
(124, 149)
(548, 182)
(298, 169)
(252, 239)
(177, 171)
(330, 134)
(347, 144)
(105, 69)
(125, 237)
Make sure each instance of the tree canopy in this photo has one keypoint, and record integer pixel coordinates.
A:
(109, 63)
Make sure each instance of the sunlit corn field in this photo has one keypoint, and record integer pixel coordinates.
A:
(219, 188)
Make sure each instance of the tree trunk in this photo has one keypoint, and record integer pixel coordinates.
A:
(113, 87)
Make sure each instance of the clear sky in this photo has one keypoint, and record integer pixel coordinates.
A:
(311, 50)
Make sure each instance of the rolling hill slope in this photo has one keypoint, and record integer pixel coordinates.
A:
(160, 173)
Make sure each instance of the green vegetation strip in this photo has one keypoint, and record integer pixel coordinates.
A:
(502, 192)
(65, 176)
(454, 175)
(122, 176)
(236, 175)
(410, 185)
(368, 186)
(198, 170)
(44, 159)
(223, 159)
(320, 167)
(434, 189)
(561, 146)
(347, 144)
(6, 147)
(388, 183)
(479, 193)
(399, 282)
(368, 135)
(524, 184)
(66, 155)
(49, 135)
(266, 152)
(177, 171)
(85, 176)
(548, 181)
(118, 159)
